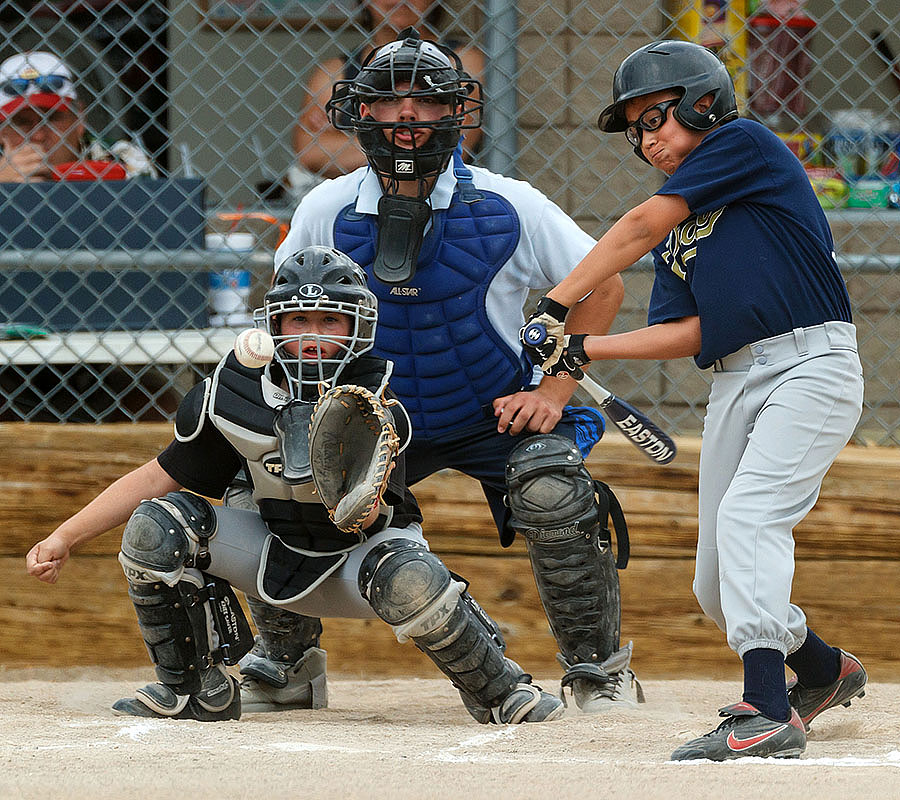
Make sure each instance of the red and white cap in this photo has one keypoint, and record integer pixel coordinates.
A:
(37, 79)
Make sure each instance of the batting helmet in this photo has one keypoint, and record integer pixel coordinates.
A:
(671, 64)
(319, 279)
(430, 70)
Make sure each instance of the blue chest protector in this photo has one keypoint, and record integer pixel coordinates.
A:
(449, 362)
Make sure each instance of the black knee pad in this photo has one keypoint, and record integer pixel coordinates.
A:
(189, 620)
(154, 538)
(401, 579)
(551, 493)
(411, 589)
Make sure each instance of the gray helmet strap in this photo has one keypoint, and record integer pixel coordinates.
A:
(401, 229)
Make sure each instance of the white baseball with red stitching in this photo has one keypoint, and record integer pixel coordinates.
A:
(254, 347)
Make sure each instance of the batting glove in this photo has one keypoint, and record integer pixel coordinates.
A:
(552, 316)
(571, 360)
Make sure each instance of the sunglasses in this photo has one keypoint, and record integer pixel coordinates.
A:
(651, 119)
(52, 84)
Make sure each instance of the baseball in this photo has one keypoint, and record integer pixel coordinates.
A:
(254, 347)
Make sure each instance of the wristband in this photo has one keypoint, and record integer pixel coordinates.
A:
(575, 349)
(547, 305)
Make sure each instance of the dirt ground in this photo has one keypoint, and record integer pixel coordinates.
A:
(410, 738)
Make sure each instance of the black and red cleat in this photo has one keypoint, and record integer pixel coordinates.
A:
(812, 701)
(745, 733)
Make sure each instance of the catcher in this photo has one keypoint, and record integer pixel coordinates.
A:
(335, 533)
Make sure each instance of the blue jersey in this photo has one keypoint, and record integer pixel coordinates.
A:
(755, 258)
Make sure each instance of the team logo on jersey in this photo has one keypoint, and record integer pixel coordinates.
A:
(404, 166)
(310, 290)
(681, 246)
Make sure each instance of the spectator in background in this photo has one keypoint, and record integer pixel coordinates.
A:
(325, 152)
(42, 131)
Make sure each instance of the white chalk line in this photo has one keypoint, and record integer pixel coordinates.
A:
(457, 753)
(892, 759)
(452, 754)
(313, 747)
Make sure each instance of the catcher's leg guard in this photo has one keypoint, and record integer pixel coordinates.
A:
(554, 504)
(191, 622)
(286, 667)
(412, 590)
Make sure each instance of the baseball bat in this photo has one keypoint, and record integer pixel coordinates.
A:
(638, 428)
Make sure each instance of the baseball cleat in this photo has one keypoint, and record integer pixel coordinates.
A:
(527, 703)
(215, 703)
(269, 686)
(745, 733)
(811, 701)
(601, 687)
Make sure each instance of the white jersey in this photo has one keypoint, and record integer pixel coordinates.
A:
(550, 243)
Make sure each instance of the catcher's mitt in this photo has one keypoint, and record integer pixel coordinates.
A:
(352, 443)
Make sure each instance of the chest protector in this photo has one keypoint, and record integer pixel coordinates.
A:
(242, 406)
(449, 362)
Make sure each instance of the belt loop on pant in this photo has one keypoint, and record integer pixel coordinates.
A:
(800, 341)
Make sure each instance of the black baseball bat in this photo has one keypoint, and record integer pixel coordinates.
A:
(640, 430)
(637, 426)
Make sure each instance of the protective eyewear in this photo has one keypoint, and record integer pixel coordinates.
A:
(51, 84)
(652, 119)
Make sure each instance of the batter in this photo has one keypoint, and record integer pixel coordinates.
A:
(745, 282)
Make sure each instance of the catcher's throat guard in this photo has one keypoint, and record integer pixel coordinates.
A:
(401, 229)
(292, 428)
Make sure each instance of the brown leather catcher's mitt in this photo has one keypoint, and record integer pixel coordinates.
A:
(352, 442)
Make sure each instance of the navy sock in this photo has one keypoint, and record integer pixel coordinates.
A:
(764, 684)
(814, 662)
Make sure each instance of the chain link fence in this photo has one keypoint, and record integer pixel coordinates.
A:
(185, 123)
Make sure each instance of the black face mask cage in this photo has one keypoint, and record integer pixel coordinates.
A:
(423, 70)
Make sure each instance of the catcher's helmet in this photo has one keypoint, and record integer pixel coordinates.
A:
(319, 279)
(671, 64)
(431, 70)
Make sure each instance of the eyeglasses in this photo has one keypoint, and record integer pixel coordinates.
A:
(44, 83)
(651, 119)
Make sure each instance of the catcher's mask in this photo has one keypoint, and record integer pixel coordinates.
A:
(426, 70)
(325, 280)
(408, 67)
(693, 70)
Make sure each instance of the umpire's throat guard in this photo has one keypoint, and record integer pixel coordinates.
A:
(292, 429)
(401, 229)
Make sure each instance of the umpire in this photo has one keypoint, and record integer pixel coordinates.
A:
(452, 251)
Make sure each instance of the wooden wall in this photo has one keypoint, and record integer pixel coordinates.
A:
(846, 577)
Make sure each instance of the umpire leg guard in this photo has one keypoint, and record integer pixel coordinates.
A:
(561, 512)
(191, 622)
(285, 668)
(411, 589)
